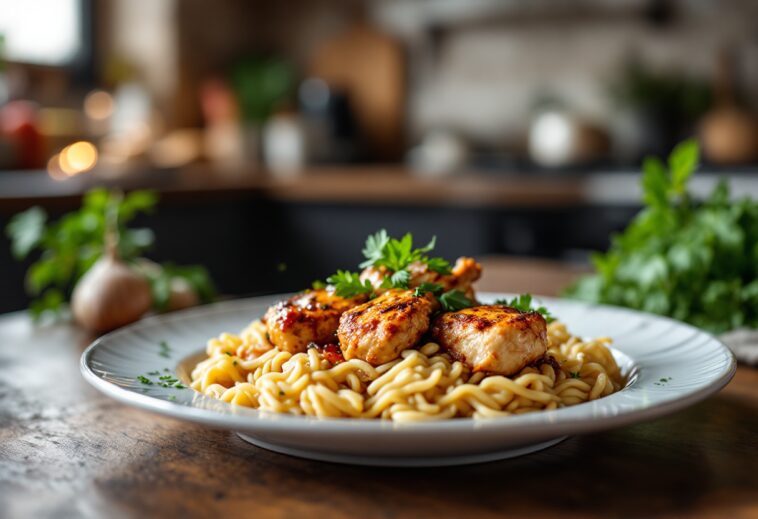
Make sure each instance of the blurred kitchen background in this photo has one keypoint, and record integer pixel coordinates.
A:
(280, 134)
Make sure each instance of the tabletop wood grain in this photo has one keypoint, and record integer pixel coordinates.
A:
(68, 451)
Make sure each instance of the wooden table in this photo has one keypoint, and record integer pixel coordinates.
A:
(66, 450)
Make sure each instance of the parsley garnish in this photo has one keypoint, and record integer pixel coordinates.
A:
(523, 303)
(383, 251)
(145, 380)
(154, 373)
(318, 285)
(165, 349)
(454, 300)
(399, 279)
(348, 284)
(423, 288)
(451, 301)
(575, 374)
(172, 398)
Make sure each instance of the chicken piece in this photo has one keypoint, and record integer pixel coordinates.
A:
(495, 339)
(310, 317)
(379, 330)
(465, 272)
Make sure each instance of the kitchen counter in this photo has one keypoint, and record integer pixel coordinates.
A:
(364, 185)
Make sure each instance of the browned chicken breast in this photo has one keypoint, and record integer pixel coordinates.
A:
(379, 330)
(496, 339)
(310, 317)
(462, 277)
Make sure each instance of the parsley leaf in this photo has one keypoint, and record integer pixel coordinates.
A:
(423, 288)
(400, 279)
(348, 284)
(454, 300)
(523, 303)
(374, 248)
(381, 250)
(318, 284)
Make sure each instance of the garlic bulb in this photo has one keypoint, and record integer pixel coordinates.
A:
(110, 295)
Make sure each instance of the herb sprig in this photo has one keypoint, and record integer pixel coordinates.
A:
(523, 303)
(696, 262)
(349, 284)
(381, 250)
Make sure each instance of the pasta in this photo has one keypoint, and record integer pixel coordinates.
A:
(422, 384)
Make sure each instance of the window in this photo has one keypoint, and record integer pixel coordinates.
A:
(45, 32)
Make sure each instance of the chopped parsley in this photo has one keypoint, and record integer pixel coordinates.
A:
(227, 353)
(145, 380)
(165, 349)
(575, 374)
(154, 373)
(523, 303)
(172, 398)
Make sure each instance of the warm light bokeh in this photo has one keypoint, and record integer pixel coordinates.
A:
(78, 158)
(98, 105)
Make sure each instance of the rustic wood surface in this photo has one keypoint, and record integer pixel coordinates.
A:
(68, 451)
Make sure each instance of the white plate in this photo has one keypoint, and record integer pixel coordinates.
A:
(669, 365)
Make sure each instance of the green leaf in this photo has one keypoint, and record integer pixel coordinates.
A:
(50, 304)
(439, 265)
(97, 200)
(655, 182)
(26, 231)
(348, 284)
(374, 248)
(136, 202)
(42, 274)
(682, 163)
(424, 288)
(400, 279)
(381, 250)
(523, 303)
(454, 300)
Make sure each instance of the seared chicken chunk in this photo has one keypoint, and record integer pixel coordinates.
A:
(379, 330)
(310, 317)
(495, 339)
(462, 277)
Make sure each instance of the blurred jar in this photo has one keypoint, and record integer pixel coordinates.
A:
(558, 139)
(440, 153)
(285, 146)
